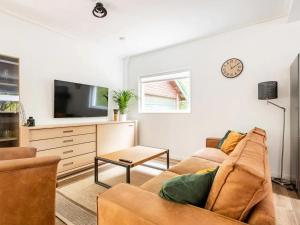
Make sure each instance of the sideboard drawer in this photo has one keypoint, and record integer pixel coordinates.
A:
(60, 132)
(70, 151)
(75, 162)
(61, 142)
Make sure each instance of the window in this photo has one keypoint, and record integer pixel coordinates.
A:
(98, 98)
(165, 93)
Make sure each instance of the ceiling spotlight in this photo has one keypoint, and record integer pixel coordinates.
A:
(99, 10)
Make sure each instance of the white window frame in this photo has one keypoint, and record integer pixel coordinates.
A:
(179, 74)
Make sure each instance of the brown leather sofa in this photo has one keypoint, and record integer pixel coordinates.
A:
(241, 192)
(27, 187)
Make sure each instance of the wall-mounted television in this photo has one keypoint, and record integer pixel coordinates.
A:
(79, 100)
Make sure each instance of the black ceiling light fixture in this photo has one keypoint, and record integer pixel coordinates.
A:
(99, 11)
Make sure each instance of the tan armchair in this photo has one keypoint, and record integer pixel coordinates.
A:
(27, 187)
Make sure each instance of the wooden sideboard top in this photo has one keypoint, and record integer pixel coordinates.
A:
(38, 127)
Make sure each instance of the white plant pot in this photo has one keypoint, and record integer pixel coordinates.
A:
(123, 117)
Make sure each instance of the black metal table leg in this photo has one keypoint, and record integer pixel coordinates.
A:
(168, 159)
(96, 170)
(97, 175)
(128, 174)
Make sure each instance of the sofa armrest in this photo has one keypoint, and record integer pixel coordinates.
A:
(17, 153)
(129, 205)
(212, 142)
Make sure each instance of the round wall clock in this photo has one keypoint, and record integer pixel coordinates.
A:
(232, 68)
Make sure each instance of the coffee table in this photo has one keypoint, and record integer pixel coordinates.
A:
(135, 156)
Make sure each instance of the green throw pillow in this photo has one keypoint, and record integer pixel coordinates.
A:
(189, 189)
(219, 145)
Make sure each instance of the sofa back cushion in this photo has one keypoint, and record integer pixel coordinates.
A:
(263, 212)
(242, 179)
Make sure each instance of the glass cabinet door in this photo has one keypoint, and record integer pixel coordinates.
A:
(9, 101)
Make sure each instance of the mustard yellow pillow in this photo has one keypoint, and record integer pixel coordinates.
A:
(206, 170)
(231, 142)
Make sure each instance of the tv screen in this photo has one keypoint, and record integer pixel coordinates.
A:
(79, 100)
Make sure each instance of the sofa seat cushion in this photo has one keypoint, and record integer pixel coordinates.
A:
(154, 185)
(129, 205)
(242, 181)
(192, 165)
(211, 154)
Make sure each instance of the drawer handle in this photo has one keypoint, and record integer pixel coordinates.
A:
(68, 164)
(130, 125)
(68, 152)
(67, 141)
(68, 131)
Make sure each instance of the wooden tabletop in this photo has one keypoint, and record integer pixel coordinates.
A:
(138, 155)
(63, 125)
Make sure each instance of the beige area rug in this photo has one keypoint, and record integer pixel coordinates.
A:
(83, 191)
(70, 213)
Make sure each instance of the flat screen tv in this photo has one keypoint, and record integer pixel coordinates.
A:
(79, 100)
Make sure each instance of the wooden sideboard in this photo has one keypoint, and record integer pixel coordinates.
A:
(78, 144)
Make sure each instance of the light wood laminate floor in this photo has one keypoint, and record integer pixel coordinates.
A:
(59, 222)
(287, 206)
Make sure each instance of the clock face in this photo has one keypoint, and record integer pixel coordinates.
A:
(232, 68)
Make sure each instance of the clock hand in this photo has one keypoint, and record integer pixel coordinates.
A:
(235, 66)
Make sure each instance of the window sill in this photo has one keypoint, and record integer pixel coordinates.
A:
(165, 112)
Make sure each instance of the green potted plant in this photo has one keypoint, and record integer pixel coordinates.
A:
(122, 98)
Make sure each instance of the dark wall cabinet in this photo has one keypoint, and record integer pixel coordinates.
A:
(9, 101)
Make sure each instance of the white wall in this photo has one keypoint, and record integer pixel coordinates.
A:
(46, 55)
(219, 104)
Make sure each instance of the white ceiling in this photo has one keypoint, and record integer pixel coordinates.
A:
(146, 24)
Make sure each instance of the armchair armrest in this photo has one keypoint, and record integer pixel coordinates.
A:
(212, 142)
(27, 190)
(126, 204)
(38, 163)
(17, 153)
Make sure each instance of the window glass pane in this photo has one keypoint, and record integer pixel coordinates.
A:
(166, 95)
(99, 98)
